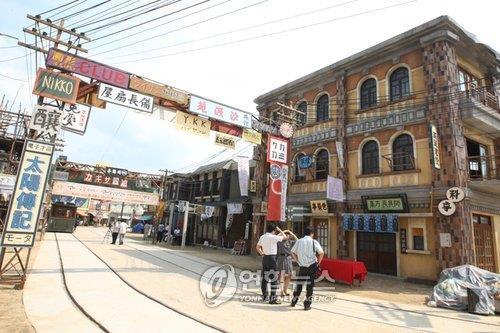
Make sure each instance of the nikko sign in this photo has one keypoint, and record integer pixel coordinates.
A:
(221, 112)
(26, 202)
(56, 85)
(126, 98)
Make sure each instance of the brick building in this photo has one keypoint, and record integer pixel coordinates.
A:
(367, 121)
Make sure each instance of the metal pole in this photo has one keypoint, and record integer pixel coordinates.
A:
(121, 212)
(184, 225)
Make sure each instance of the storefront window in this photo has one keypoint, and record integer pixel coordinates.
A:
(418, 239)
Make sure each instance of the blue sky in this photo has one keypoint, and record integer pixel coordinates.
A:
(233, 74)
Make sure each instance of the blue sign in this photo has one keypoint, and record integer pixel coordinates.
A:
(305, 162)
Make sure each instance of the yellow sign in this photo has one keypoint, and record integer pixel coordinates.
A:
(225, 140)
(158, 90)
(192, 124)
(252, 136)
(319, 207)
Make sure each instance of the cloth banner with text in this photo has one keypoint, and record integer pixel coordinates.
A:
(243, 174)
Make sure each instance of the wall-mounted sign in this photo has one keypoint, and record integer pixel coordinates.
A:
(60, 175)
(277, 150)
(76, 64)
(385, 204)
(46, 119)
(225, 140)
(315, 137)
(334, 189)
(24, 208)
(340, 153)
(116, 171)
(234, 208)
(100, 179)
(447, 207)
(403, 241)
(370, 222)
(455, 194)
(192, 124)
(445, 239)
(286, 130)
(220, 112)
(319, 207)
(126, 98)
(158, 90)
(75, 118)
(276, 209)
(226, 128)
(264, 128)
(275, 171)
(56, 85)
(7, 181)
(253, 186)
(434, 142)
(305, 162)
(263, 207)
(252, 136)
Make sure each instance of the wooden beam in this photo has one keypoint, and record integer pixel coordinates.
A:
(55, 26)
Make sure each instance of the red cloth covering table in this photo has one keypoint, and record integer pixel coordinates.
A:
(344, 270)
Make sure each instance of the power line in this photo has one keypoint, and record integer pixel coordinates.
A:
(62, 11)
(83, 11)
(12, 78)
(56, 8)
(103, 13)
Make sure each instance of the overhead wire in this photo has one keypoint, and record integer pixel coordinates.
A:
(103, 13)
(58, 7)
(80, 12)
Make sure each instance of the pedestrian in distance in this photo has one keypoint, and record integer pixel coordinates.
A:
(122, 232)
(284, 261)
(308, 253)
(115, 230)
(159, 232)
(268, 248)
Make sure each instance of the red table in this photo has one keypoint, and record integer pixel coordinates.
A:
(344, 270)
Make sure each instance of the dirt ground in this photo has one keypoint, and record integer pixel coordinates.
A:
(375, 286)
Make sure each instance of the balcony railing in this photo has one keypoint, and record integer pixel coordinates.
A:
(483, 167)
(484, 97)
(400, 161)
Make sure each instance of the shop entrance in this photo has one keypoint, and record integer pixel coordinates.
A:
(378, 251)
(483, 242)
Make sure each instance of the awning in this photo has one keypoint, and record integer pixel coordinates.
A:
(370, 222)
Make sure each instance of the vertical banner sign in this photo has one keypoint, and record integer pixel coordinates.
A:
(340, 153)
(243, 174)
(275, 211)
(75, 118)
(434, 141)
(27, 199)
(284, 187)
(334, 189)
(277, 150)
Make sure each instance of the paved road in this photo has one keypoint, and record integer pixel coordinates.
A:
(145, 281)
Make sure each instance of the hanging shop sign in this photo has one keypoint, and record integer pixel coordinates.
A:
(234, 208)
(334, 189)
(225, 140)
(319, 207)
(434, 142)
(75, 118)
(56, 85)
(252, 136)
(126, 98)
(286, 130)
(220, 112)
(340, 153)
(116, 171)
(86, 67)
(88, 94)
(243, 174)
(305, 162)
(253, 186)
(104, 193)
(447, 207)
(385, 204)
(26, 203)
(277, 150)
(455, 194)
(192, 124)
(158, 90)
(100, 179)
(264, 128)
(276, 209)
(370, 222)
(46, 119)
(226, 128)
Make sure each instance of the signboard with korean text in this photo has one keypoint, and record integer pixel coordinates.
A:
(46, 119)
(108, 180)
(56, 85)
(334, 189)
(86, 67)
(220, 112)
(104, 193)
(434, 143)
(192, 124)
(225, 140)
(277, 150)
(126, 98)
(75, 118)
(27, 199)
(252, 136)
(385, 204)
(319, 207)
(158, 90)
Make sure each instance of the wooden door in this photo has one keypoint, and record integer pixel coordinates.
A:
(378, 252)
(483, 241)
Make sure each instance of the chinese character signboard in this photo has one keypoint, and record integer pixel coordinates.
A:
(76, 64)
(192, 124)
(277, 150)
(225, 140)
(252, 136)
(107, 180)
(116, 171)
(447, 207)
(334, 189)
(127, 98)
(24, 208)
(385, 204)
(158, 90)
(434, 142)
(46, 119)
(75, 118)
(319, 207)
(56, 85)
(220, 112)
(455, 194)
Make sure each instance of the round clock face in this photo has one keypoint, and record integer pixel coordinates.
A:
(286, 130)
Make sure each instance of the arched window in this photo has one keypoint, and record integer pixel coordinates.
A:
(368, 93)
(369, 158)
(322, 164)
(302, 118)
(322, 108)
(400, 84)
(402, 153)
(299, 174)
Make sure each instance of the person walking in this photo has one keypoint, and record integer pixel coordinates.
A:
(284, 261)
(308, 254)
(159, 232)
(115, 229)
(122, 231)
(268, 248)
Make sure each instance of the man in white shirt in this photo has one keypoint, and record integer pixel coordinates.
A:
(268, 247)
(122, 232)
(308, 253)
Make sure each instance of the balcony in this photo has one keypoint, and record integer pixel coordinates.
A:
(483, 173)
(481, 110)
